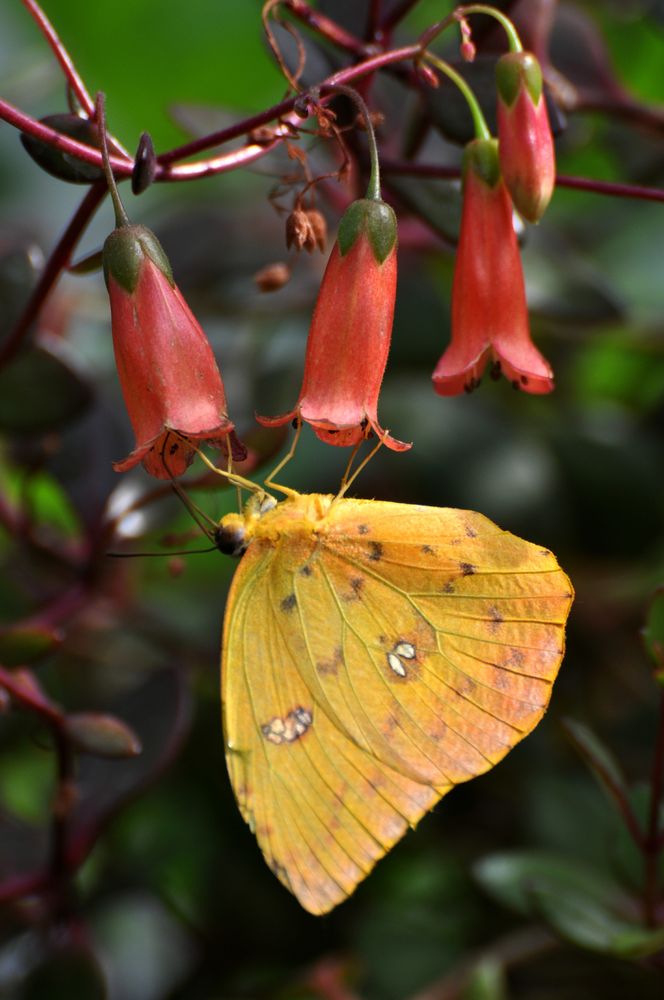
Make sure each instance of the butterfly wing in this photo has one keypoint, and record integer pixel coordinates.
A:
(370, 666)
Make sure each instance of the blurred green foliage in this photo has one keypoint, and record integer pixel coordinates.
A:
(175, 900)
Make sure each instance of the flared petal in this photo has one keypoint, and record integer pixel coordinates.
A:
(489, 310)
(168, 373)
(349, 337)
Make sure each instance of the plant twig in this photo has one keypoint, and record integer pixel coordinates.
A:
(56, 263)
(61, 54)
(57, 140)
(328, 29)
(406, 168)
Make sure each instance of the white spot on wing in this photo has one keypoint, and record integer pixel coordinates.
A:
(401, 651)
(396, 665)
(405, 649)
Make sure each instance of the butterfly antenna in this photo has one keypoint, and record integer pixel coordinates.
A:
(164, 552)
(346, 483)
(206, 523)
(269, 480)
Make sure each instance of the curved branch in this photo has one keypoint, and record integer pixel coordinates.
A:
(61, 54)
(54, 266)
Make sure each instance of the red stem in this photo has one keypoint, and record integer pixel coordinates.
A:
(327, 28)
(121, 166)
(562, 180)
(20, 886)
(61, 54)
(54, 266)
(278, 111)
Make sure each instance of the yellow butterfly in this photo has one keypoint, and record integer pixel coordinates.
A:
(374, 655)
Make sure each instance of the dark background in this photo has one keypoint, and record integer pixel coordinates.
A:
(175, 900)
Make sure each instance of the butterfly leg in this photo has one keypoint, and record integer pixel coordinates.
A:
(348, 480)
(269, 480)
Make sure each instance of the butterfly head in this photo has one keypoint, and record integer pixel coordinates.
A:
(234, 531)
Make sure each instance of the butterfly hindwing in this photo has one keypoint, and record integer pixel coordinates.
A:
(374, 657)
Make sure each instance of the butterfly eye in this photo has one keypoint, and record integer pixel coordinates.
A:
(230, 539)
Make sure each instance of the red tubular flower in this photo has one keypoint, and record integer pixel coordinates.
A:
(527, 156)
(349, 337)
(169, 377)
(489, 312)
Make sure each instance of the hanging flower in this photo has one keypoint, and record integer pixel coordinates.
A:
(527, 156)
(349, 337)
(489, 312)
(169, 377)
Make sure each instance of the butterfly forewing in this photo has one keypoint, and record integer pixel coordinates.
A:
(376, 654)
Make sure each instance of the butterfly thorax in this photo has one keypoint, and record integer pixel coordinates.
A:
(265, 519)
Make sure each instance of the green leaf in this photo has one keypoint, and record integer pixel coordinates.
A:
(511, 877)
(39, 391)
(653, 632)
(599, 759)
(24, 645)
(102, 735)
(580, 904)
(584, 922)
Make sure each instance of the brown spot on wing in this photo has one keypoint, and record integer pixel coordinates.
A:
(306, 570)
(467, 568)
(428, 550)
(330, 667)
(363, 529)
(515, 658)
(470, 531)
(448, 587)
(288, 603)
(496, 619)
(375, 551)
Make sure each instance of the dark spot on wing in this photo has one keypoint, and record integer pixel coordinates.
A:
(448, 588)
(306, 570)
(471, 532)
(515, 658)
(357, 583)
(375, 551)
(382, 639)
(467, 569)
(428, 550)
(327, 668)
(496, 619)
(288, 603)
(363, 529)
